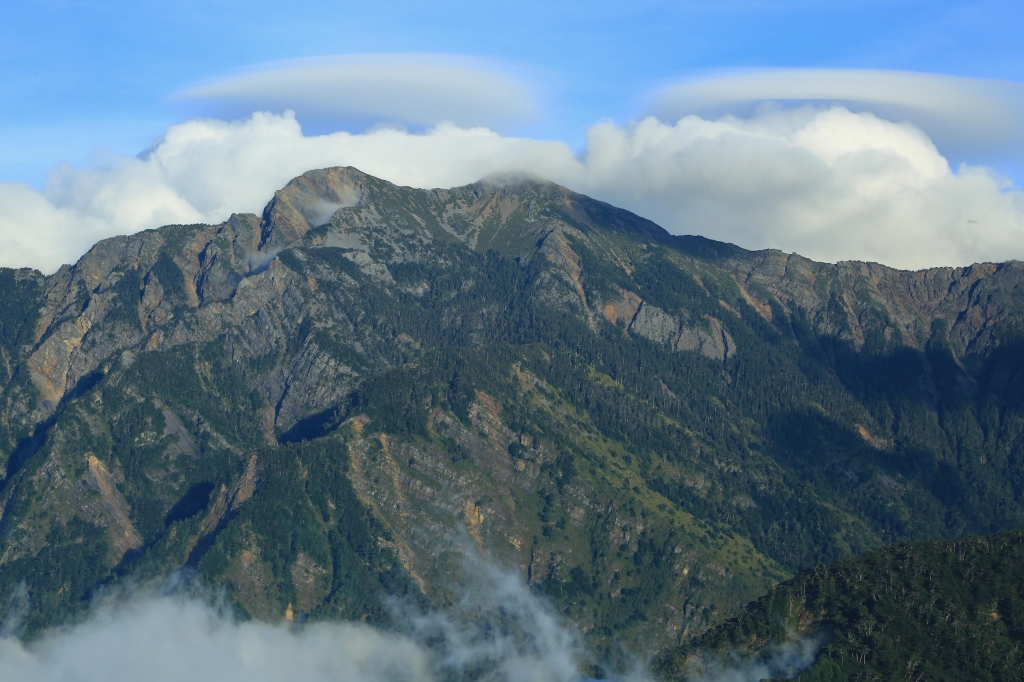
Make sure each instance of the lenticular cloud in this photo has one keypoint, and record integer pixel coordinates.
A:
(827, 183)
(965, 114)
(419, 89)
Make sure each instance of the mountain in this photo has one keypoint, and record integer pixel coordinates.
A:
(930, 610)
(335, 399)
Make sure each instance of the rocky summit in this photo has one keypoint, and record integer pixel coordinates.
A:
(336, 400)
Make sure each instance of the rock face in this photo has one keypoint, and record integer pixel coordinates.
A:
(335, 399)
(652, 323)
(853, 300)
(124, 535)
(307, 201)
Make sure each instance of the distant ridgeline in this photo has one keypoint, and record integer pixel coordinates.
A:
(330, 402)
(933, 610)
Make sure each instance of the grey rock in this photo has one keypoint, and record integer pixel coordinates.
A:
(653, 323)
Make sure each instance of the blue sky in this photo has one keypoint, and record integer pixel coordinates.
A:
(868, 130)
(81, 76)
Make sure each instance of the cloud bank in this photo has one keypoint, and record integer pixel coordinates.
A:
(417, 89)
(498, 631)
(824, 182)
(171, 639)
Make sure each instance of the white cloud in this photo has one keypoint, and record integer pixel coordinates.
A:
(498, 630)
(171, 639)
(417, 89)
(975, 115)
(35, 233)
(827, 183)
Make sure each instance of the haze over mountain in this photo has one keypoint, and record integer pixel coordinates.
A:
(321, 405)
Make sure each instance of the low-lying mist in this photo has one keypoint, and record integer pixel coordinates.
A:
(497, 630)
(784, 661)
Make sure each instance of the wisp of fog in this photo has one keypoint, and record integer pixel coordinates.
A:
(784, 661)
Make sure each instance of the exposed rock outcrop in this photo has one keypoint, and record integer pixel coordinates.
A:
(122, 532)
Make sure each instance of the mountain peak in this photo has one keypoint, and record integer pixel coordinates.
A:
(309, 200)
(508, 212)
(313, 198)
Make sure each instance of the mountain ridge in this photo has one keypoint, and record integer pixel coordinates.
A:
(655, 429)
(285, 222)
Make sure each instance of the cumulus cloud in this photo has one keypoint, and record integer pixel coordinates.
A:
(417, 89)
(828, 183)
(976, 114)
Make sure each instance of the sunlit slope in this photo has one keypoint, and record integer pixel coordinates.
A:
(321, 405)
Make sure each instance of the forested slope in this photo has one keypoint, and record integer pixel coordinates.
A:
(935, 610)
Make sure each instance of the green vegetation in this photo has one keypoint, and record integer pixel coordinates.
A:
(19, 312)
(937, 610)
(74, 558)
(307, 514)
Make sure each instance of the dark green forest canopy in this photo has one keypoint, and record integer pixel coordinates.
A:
(932, 610)
(655, 430)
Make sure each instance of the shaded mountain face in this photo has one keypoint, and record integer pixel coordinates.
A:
(932, 610)
(332, 401)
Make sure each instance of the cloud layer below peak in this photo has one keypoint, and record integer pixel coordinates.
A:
(824, 182)
(497, 630)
